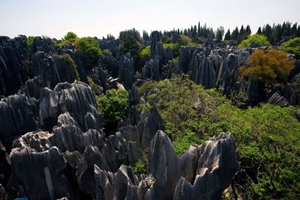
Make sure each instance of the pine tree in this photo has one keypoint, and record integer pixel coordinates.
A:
(227, 35)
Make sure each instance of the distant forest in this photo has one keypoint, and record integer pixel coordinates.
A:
(276, 34)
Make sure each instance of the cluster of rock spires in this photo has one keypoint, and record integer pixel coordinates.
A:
(51, 143)
(63, 153)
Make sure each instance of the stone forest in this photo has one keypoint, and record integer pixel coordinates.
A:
(180, 114)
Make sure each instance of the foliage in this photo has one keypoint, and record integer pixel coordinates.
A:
(29, 41)
(146, 51)
(139, 168)
(106, 52)
(131, 43)
(292, 46)
(114, 105)
(67, 58)
(165, 39)
(145, 87)
(272, 66)
(175, 48)
(70, 36)
(277, 33)
(132, 32)
(182, 123)
(268, 140)
(91, 83)
(257, 38)
(88, 49)
(267, 137)
(174, 60)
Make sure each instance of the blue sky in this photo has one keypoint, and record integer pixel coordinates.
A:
(101, 17)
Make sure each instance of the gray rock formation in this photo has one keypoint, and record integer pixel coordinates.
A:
(14, 65)
(155, 47)
(151, 70)
(18, 115)
(202, 70)
(40, 173)
(186, 55)
(77, 99)
(134, 96)
(279, 100)
(126, 70)
(152, 124)
(203, 172)
(228, 73)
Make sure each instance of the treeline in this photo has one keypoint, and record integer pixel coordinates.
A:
(276, 34)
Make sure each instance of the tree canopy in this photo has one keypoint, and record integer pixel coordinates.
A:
(256, 38)
(70, 36)
(88, 49)
(292, 46)
(268, 66)
(114, 105)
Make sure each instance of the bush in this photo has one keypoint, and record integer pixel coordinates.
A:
(292, 46)
(257, 38)
(145, 53)
(145, 87)
(88, 49)
(271, 66)
(70, 36)
(182, 123)
(267, 139)
(29, 41)
(114, 105)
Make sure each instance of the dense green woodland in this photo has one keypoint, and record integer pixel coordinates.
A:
(267, 136)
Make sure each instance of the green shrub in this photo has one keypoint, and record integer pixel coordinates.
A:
(29, 41)
(292, 46)
(146, 52)
(257, 38)
(107, 52)
(88, 49)
(114, 105)
(91, 83)
(145, 87)
(268, 141)
(70, 36)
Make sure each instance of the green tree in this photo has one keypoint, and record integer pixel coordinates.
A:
(292, 46)
(259, 31)
(227, 35)
(114, 105)
(257, 38)
(267, 31)
(130, 43)
(219, 34)
(88, 49)
(70, 36)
